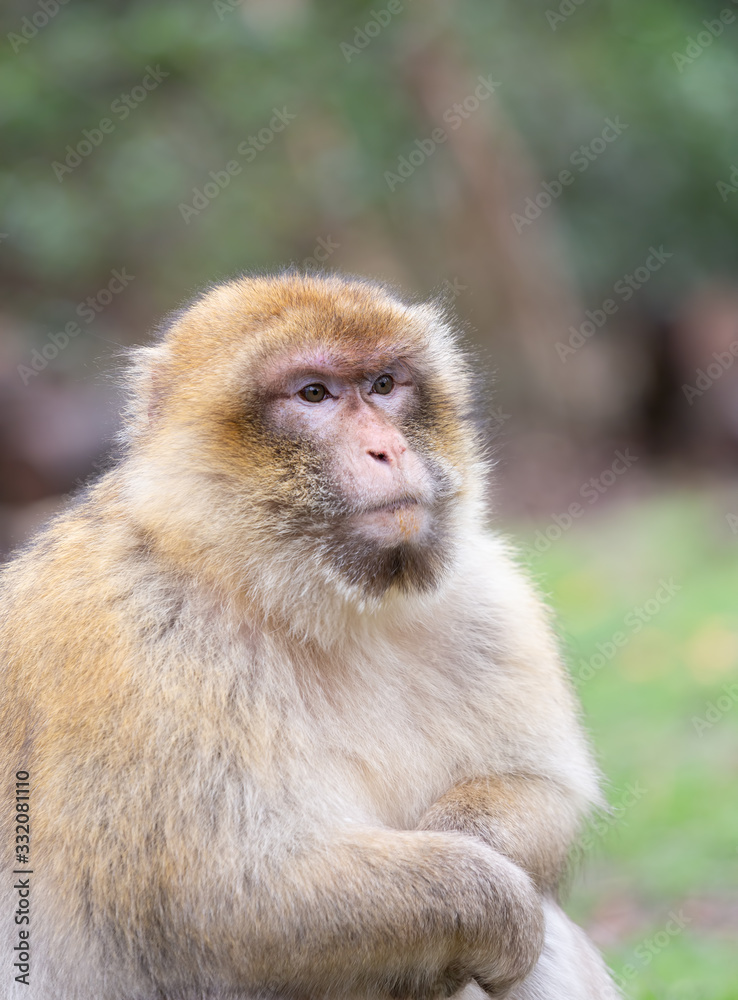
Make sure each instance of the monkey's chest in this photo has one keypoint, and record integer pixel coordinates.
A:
(399, 742)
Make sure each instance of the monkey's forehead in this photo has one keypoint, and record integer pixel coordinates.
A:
(345, 320)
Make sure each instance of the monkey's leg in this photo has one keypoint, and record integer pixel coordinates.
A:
(570, 968)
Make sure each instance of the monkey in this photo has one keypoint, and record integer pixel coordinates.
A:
(294, 721)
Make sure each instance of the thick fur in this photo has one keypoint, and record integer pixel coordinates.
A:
(265, 764)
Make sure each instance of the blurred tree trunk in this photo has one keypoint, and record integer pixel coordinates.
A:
(517, 281)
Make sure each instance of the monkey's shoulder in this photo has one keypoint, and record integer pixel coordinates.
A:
(78, 604)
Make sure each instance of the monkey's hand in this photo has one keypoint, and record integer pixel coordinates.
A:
(531, 820)
(401, 914)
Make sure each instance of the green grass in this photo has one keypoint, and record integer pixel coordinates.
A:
(673, 845)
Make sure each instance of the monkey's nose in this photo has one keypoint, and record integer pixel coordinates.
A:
(389, 454)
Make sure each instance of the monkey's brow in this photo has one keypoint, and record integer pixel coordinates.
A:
(350, 371)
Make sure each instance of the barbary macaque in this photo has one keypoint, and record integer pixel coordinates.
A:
(295, 724)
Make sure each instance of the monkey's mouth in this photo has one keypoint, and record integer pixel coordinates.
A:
(404, 519)
(403, 503)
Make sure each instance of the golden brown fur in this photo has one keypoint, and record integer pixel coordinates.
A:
(267, 761)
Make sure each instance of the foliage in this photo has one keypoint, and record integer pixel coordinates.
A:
(230, 63)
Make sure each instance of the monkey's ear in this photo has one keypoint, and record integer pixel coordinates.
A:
(145, 382)
(155, 394)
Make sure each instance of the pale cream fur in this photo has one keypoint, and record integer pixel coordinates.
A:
(235, 756)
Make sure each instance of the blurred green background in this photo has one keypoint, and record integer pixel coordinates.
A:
(564, 174)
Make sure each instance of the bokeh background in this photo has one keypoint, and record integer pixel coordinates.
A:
(565, 175)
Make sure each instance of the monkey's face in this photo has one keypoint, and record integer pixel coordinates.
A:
(312, 430)
(367, 485)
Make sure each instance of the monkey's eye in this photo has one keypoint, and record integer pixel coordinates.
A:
(384, 385)
(314, 393)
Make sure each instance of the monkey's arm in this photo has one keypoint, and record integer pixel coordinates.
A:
(406, 914)
(540, 779)
(530, 819)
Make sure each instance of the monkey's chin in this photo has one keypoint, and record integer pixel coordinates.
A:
(400, 546)
(394, 524)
